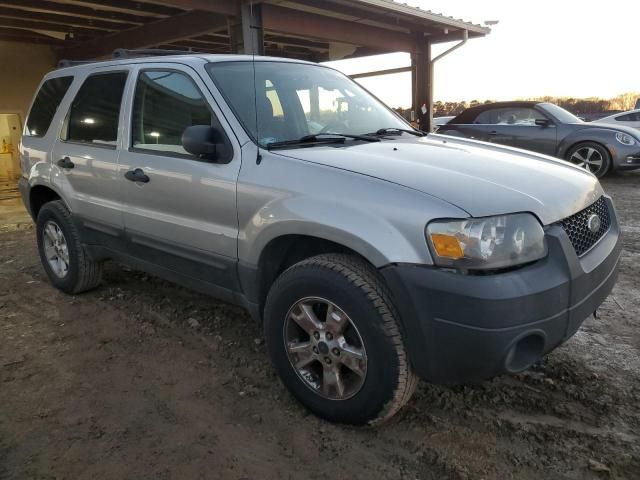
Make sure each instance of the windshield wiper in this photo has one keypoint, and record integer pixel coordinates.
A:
(397, 131)
(321, 138)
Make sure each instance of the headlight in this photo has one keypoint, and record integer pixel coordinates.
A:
(486, 243)
(625, 138)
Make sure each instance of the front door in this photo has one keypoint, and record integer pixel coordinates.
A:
(516, 127)
(85, 155)
(181, 210)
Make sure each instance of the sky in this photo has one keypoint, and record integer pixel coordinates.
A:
(542, 47)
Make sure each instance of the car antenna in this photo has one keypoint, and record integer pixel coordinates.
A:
(254, 43)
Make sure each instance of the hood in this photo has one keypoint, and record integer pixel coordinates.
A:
(482, 179)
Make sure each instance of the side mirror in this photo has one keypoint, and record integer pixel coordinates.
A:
(543, 122)
(206, 143)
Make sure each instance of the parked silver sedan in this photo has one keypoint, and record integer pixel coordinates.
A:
(549, 129)
(628, 119)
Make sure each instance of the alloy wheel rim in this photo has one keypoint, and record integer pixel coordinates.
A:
(325, 348)
(56, 249)
(588, 158)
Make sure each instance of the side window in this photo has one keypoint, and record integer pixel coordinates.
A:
(45, 105)
(630, 117)
(517, 116)
(93, 116)
(165, 104)
(488, 117)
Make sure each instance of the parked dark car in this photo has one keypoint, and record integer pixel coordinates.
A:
(549, 129)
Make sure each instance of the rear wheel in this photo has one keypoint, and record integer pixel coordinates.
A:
(67, 264)
(592, 157)
(334, 338)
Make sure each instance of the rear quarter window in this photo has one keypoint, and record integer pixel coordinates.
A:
(630, 117)
(46, 104)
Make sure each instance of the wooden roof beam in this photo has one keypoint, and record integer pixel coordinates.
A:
(224, 7)
(48, 26)
(46, 6)
(168, 30)
(310, 25)
(135, 7)
(16, 13)
(25, 36)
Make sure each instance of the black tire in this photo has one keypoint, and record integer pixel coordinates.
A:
(357, 289)
(83, 273)
(602, 151)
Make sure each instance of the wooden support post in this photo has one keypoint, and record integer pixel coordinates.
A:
(422, 82)
(246, 34)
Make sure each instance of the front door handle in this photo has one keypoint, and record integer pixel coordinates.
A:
(66, 163)
(137, 175)
(493, 133)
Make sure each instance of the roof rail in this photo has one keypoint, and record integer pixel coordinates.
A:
(70, 63)
(120, 53)
(148, 52)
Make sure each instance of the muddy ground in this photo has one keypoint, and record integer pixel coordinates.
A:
(142, 379)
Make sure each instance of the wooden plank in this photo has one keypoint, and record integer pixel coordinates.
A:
(224, 7)
(47, 26)
(128, 6)
(309, 25)
(80, 11)
(168, 30)
(296, 42)
(16, 35)
(63, 19)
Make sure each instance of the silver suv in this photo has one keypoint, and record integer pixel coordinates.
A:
(370, 252)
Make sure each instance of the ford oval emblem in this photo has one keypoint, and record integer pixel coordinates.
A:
(594, 223)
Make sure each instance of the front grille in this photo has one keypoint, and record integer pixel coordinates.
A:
(577, 228)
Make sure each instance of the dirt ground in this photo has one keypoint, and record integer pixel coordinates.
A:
(143, 379)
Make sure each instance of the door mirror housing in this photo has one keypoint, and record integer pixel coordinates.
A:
(543, 122)
(206, 143)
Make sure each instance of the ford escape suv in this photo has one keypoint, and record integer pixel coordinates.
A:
(370, 252)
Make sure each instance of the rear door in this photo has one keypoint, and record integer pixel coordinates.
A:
(183, 218)
(85, 154)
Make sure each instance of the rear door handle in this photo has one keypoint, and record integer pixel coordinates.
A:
(493, 133)
(137, 175)
(66, 162)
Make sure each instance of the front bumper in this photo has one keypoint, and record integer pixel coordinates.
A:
(466, 328)
(625, 157)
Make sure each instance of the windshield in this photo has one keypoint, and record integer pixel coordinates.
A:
(294, 100)
(560, 113)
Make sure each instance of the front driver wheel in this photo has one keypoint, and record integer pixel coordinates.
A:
(333, 335)
(592, 157)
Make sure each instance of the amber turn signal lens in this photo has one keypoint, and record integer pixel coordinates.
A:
(447, 246)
